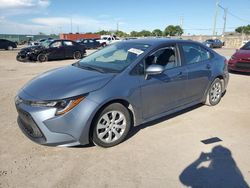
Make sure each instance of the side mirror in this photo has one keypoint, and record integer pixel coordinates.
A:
(154, 70)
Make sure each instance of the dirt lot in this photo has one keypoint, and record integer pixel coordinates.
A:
(167, 154)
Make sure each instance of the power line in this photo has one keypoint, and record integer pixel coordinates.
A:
(237, 17)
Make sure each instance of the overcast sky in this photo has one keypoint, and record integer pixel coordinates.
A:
(54, 16)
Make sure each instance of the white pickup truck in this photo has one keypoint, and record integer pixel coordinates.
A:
(108, 39)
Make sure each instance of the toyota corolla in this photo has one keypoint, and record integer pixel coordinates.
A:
(101, 97)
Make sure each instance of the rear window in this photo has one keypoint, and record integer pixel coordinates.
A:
(246, 46)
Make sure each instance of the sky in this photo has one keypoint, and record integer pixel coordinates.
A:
(56, 16)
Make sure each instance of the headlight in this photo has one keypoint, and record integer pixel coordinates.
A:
(62, 106)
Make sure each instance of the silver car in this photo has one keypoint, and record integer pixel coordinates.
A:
(99, 98)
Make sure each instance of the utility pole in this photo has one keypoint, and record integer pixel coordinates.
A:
(117, 26)
(70, 24)
(181, 23)
(225, 21)
(215, 16)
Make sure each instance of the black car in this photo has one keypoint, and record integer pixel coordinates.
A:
(90, 43)
(7, 45)
(213, 43)
(52, 50)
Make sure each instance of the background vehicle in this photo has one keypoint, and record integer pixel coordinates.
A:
(240, 60)
(52, 50)
(90, 43)
(125, 84)
(213, 43)
(36, 43)
(7, 45)
(108, 39)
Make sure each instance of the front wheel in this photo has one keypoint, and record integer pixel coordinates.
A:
(42, 58)
(111, 126)
(214, 93)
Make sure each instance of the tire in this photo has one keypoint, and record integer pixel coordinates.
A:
(42, 58)
(214, 93)
(107, 133)
(104, 45)
(10, 48)
(77, 55)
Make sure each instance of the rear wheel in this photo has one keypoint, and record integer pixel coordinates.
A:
(111, 126)
(214, 93)
(10, 48)
(77, 55)
(42, 58)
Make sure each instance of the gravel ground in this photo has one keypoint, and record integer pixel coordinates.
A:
(168, 154)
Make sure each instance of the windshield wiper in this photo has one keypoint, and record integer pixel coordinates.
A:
(89, 67)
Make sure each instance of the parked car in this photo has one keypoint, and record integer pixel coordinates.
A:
(213, 43)
(240, 60)
(38, 42)
(7, 45)
(108, 39)
(90, 43)
(99, 98)
(52, 50)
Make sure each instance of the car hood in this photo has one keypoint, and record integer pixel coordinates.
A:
(64, 83)
(242, 54)
(33, 48)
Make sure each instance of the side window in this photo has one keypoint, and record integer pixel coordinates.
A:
(194, 53)
(165, 57)
(56, 44)
(68, 43)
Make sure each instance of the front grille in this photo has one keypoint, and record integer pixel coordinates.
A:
(28, 125)
(243, 65)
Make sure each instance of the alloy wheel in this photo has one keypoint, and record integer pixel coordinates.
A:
(111, 126)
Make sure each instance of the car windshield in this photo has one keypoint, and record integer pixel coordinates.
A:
(114, 58)
(246, 46)
(46, 43)
(209, 40)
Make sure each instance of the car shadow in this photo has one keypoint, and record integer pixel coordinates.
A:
(136, 129)
(214, 169)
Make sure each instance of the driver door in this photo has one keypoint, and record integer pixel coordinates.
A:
(56, 50)
(164, 91)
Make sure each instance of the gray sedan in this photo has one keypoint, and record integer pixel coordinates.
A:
(101, 97)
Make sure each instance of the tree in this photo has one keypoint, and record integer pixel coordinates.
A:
(243, 29)
(145, 33)
(157, 32)
(121, 34)
(134, 34)
(103, 32)
(172, 30)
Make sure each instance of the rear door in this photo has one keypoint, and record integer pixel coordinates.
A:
(69, 47)
(198, 63)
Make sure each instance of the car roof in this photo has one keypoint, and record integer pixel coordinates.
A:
(158, 41)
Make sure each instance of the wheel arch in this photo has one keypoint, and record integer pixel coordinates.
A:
(121, 101)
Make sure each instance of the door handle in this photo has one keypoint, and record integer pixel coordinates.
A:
(208, 66)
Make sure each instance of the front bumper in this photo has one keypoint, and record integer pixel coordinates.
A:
(239, 65)
(26, 56)
(42, 126)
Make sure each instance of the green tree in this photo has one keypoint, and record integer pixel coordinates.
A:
(121, 34)
(243, 29)
(103, 32)
(134, 34)
(172, 30)
(157, 32)
(145, 33)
